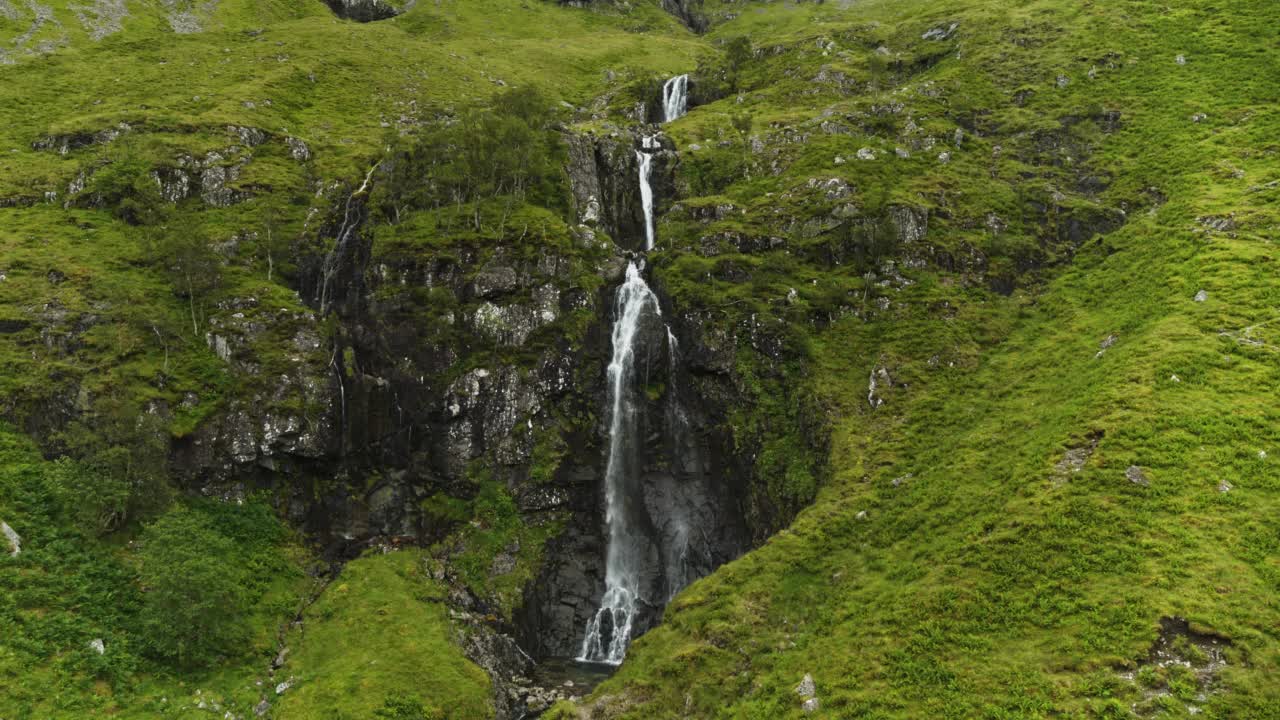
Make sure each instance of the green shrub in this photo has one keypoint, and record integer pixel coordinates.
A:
(118, 474)
(404, 707)
(510, 150)
(194, 604)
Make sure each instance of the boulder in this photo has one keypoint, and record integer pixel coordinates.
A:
(12, 537)
(806, 688)
(1135, 475)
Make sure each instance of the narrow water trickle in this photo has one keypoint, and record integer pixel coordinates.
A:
(609, 630)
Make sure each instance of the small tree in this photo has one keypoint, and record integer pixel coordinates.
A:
(117, 470)
(194, 604)
(742, 123)
(278, 218)
(271, 226)
(877, 70)
(193, 267)
(126, 186)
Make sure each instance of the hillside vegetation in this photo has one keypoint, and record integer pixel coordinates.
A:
(1058, 466)
(1016, 259)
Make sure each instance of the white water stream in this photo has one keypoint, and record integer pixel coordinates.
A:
(609, 630)
(644, 159)
(675, 97)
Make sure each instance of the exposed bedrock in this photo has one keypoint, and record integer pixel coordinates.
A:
(604, 175)
(367, 10)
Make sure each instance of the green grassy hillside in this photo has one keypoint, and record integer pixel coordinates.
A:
(379, 640)
(1020, 255)
(983, 549)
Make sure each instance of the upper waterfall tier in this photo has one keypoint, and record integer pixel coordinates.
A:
(675, 98)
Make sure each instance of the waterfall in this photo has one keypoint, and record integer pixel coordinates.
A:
(645, 161)
(609, 631)
(675, 97)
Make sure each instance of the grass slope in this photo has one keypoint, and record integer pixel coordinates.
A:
(949, 569)
(68, 587)
(378, 638)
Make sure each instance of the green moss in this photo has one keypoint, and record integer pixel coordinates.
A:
(444, 510)
(497, 554)
(380, 630)
(549, 451)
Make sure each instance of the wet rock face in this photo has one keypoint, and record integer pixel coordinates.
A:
(689, 12)
(557, 607)
(604, 176)
(443, 367)
(435, 368)
(688, 503)
(280, 426)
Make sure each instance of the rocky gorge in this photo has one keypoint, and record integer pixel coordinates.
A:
(490, 363)
(651, 359)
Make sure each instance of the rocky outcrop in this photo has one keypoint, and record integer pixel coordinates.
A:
(604, 177)
(212, 177)
(367, 10)
(42, 33)
(189, 16)
(63, 143)
(102, 18)
(12, 539)
(1194, 657)
(206, 177)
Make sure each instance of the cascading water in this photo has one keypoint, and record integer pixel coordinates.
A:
(645, 160)
(675, 97)
(609, 630)
(675, 102)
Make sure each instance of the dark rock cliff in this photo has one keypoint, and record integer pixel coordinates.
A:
(433, 370)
